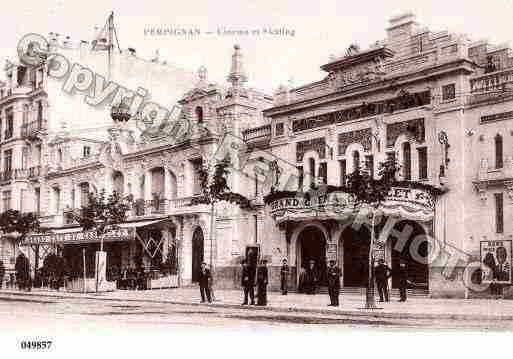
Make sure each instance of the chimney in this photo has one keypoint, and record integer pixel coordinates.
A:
(401, 27)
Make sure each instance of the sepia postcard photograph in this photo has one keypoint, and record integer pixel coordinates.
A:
(249, 179)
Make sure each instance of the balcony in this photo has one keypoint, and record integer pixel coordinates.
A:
(27, 173)
(6, 176)
(257, 136)
(33, 129)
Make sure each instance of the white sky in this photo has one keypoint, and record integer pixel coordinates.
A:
(321, 28)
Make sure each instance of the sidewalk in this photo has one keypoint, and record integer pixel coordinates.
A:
(414, 308)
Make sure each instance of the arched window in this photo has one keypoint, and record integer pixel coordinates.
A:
(199, 114)
(498, 151)
(118, 182)
(356, 160)
(407, 161)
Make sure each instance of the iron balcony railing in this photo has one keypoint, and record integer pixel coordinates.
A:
(257, 134)
(31, 129)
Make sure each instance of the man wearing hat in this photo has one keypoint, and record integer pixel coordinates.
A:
(204, 278)
(310, 278)
(262, 280)
(334, 274)
(248, 282)
(402, 274)
(382, 272)
(284, 276)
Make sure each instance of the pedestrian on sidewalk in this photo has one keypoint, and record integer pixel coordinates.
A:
(2, 273)
(211, 284)
(334, 274)
(382, 272)
(262, 280)
(310, 278)
(402, 275)
(284, 276)
(204, 279)
(248, 282)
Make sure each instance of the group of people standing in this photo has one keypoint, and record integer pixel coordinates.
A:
(308, 280)
(252, 276)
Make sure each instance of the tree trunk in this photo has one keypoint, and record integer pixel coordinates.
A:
(370, 302)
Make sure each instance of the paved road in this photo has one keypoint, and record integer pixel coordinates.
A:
(21, 312)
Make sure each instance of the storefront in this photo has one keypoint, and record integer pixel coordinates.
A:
(148, 247)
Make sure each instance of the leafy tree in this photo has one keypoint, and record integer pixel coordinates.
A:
(102, 213)
(214, 187)
(370, 193)
(20, 224)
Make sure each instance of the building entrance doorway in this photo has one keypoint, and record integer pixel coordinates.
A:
(197, 253)
(312, 246)
(418, 270)
(356, 256)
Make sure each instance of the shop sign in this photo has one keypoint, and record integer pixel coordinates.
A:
(333, 199)
(496, 261)
(415, 196)
(120, 234)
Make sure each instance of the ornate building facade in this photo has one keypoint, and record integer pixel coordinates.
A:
(437, 102)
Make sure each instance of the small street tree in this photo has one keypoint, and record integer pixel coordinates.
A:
(370, 193)
(19, 225)
(101, 214)
(214, 188)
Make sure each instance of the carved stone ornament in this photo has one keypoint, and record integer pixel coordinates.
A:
(481, 190)
(509, 189)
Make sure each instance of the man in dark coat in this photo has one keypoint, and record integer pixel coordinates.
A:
(284, 276)
(262, 280)
(310, 278)
(248, 282)
(204, 277)
(334, 273)
(402, 275)
(382, 272)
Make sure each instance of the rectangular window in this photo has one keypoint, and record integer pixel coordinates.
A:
(86, 151)
(7, 161)
(6, 200)
(499, 213)
(37, 194)
(84, 194)
(56, 200)
(24, 158)
(40, 115)
(423, 172)
(407, 161)
(311, 170)
(448, 92)
(9, 125)
(22, 200)
(369, 165)
(300, 178)
(323, 172)
(498, 152)
(279, 129)
(343, 172)
(197, 164)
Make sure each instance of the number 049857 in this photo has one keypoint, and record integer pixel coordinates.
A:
(36, 344)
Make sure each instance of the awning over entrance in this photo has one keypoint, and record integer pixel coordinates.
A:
(409, 203)
(124, 232)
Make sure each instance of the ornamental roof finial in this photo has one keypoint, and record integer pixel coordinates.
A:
(237, 77)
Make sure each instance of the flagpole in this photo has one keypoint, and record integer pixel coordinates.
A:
(109, 46)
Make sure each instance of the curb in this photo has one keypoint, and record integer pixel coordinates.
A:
(348, 313)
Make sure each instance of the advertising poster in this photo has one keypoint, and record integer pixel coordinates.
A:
(496, 260)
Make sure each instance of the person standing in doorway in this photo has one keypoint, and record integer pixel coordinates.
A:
(334, 274)
(284, 276)
(382, 272)
(402, 274)
(311, 278)
(204, 279)
(248, 282)
(262, 280)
